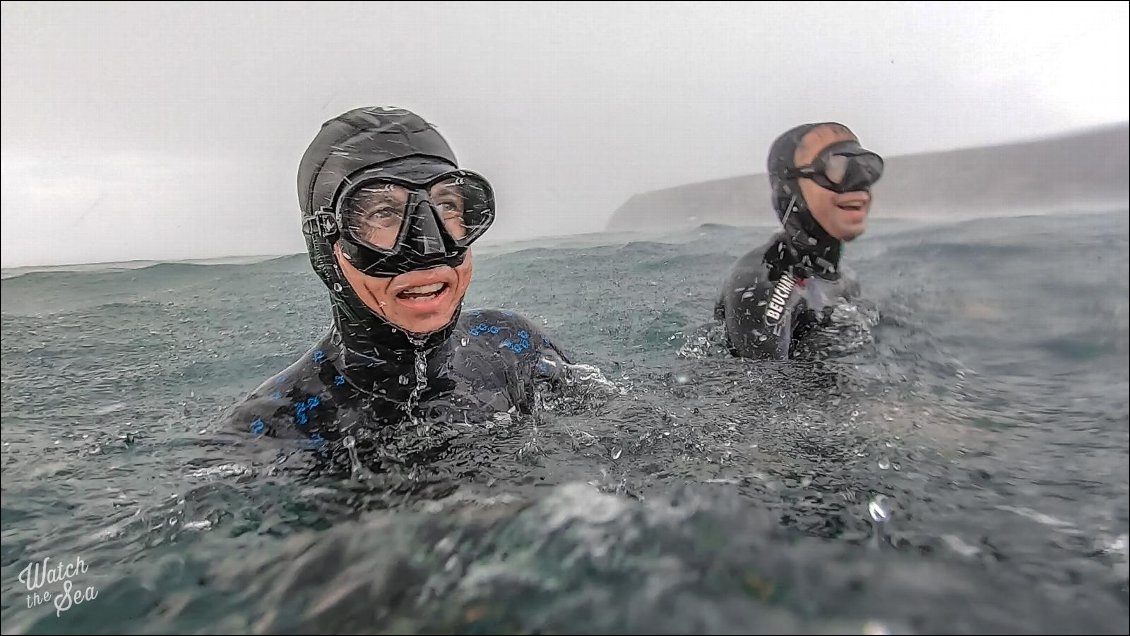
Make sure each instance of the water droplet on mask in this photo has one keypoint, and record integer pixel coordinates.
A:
(884, 463)
(879, 509)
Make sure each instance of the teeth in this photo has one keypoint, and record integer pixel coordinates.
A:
(425, 289)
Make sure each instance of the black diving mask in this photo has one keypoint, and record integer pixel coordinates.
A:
(412, 215)
(842, 167)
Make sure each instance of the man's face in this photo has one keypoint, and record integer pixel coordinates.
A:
(842, 216)
(419, 302)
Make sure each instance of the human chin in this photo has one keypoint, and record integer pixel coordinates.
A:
(853, 227)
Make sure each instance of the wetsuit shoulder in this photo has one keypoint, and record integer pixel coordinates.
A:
(756, 306)
(293, 402)
(512, 331)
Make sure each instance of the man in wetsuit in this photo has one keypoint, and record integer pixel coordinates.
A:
(389, 218)
(773, 296)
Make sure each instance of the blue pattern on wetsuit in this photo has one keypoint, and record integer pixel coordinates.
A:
(483, 327)
(517, 345)
(521, 345)
(303, 409)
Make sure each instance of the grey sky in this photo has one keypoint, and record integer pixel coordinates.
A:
(134, 131)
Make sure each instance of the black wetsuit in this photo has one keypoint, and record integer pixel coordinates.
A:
(492, 362)
(777, 294)
(768, 303)
(366, 376)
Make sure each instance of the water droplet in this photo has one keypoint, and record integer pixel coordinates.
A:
(884, 463)
(464, 341)
(879, 509)
(855, 413)
(616, 452)
(890, 445)
(337, 287)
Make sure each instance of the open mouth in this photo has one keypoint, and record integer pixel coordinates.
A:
(423, 292)
(852, 206)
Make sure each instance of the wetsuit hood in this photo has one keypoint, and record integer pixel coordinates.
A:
(346, 145)
(806, 246)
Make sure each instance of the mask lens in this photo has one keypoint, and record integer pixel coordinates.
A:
(835, 168)
(375, 213)
(871, 165)
(465, 204)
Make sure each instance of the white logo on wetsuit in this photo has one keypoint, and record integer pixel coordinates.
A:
(779, 300)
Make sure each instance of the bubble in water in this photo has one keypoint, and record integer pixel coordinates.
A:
(855, 413)
(884, 463)
(172, 521)
(358, 470)
(616, 452)
(879, 509)
(890, 445)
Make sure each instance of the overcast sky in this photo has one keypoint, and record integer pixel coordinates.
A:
(134, 131)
